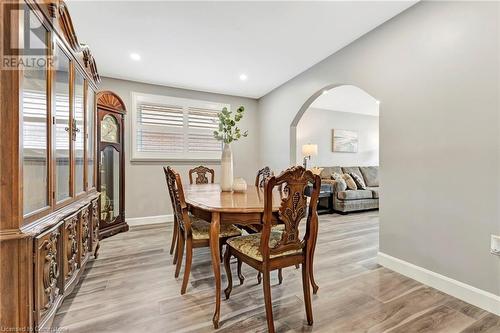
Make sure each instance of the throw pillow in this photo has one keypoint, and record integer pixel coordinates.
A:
(359, 181)
(336, 176)
(340, 185)
(351, 184)
(316, 170)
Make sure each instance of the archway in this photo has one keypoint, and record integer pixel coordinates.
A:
(307, 104)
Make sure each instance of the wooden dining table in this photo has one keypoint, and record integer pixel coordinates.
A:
(207, 201)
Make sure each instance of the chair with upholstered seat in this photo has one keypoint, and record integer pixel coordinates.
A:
(271, 250)
(201, 175)
(201, 178)
(193, 232)
(260, 181)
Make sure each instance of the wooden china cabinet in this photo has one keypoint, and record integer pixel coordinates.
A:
(111, 173)
(49, 216)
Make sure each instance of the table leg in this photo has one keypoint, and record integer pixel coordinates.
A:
(215, 252)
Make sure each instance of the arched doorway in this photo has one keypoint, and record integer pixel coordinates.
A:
(337, 94)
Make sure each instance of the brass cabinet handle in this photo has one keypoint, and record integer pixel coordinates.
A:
(74, 130)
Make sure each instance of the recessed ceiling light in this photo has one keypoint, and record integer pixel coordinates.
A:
(135, 56)
(243, 77)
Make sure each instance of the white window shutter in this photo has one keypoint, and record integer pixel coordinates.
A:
(174, 128)
(201, 126)
(160, 128)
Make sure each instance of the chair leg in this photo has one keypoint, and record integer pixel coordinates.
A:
(221, 244)
(176, 254)
(227, 266)
(180, 251)
(178, 232)
(259, 278)
(311, 269)
(174, 237)
(313, 283)
(240, 275)
(280, 275)
(187, 267)
(297, 266)
(307, 291)
(267, 300)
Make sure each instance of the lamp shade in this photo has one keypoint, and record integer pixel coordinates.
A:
(309, 150)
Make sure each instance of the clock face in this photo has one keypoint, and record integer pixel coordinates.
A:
(109, 129)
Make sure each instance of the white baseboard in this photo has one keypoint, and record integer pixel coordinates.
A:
(149, 220)
(475, 296)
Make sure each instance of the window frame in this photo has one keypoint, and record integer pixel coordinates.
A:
(185, 103)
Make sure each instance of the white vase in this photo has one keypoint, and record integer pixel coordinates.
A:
(226, 180)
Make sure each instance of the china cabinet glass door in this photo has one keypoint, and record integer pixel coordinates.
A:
(35, 143)
(90, 104)
(62, 125)
(78, 135)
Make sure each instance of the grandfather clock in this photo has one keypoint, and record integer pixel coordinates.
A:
(111, 174)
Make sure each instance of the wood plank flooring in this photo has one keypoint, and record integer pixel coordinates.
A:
(131, 288)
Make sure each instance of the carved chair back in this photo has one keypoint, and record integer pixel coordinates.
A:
(176, 192)
(293, 209)
(262, 175)
(201, 175)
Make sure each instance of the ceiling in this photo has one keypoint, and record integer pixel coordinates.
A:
(347, 99)
(207, 45)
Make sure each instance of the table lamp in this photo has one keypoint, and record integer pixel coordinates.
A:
(308, 151)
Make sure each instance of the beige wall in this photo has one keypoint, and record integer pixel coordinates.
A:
(145, 187)
(435, 69)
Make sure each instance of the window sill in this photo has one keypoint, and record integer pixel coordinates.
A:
(175, 160)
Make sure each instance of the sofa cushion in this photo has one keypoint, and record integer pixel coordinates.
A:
(375, 191)
(326, 173)
(360, 183)
(355, 195)
(370, 175)
(351, 184)
(352, 170)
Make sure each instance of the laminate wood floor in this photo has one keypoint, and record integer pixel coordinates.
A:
(131, 288)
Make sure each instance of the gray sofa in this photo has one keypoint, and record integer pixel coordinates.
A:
(345, 201)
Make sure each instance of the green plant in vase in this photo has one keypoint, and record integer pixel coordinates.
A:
(228, 132)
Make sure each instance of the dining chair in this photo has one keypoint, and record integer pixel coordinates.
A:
(201, 175)
(192, 232)
(201, 178)
(262, 175)
(260, 180)
(269, 250)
